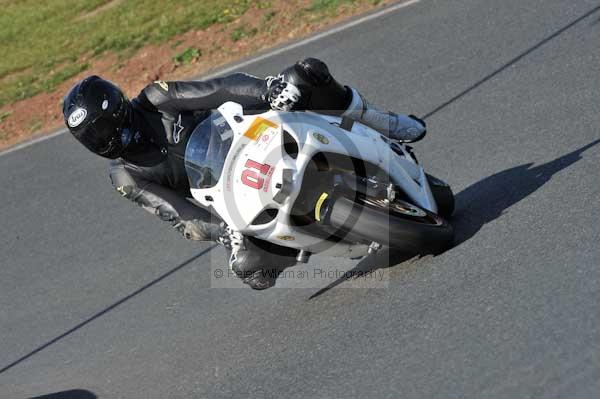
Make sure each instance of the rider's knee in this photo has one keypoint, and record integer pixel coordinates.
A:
(320, 91)
(316, 71)
(310, 72)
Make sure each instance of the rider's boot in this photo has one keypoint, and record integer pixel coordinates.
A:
(403, 128)
(257, 263)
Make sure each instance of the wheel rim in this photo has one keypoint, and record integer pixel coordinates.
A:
(405, 209)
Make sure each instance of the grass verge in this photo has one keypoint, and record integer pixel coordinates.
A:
(49, 45)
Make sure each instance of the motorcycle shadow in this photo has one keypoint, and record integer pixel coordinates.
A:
(477, 205)
(72, 394)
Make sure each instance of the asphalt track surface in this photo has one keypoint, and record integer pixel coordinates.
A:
(100, 300)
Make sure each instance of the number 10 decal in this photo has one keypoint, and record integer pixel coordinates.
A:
(253, 176)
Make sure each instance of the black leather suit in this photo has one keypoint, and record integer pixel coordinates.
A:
(164, 114)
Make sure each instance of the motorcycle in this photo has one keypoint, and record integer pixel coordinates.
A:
(316, 183)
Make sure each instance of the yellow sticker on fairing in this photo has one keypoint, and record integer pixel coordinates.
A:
(258, 127)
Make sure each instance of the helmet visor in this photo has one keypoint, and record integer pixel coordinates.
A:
(99, 135)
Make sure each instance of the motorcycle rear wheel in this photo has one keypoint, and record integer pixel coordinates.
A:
(442, 193)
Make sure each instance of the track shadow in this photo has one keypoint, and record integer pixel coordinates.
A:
(72, 394)
(486, 200)
(383, 259)
(106, 309)
(478, 204)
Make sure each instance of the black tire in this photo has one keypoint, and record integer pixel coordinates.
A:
(442, 193)
(421, 232)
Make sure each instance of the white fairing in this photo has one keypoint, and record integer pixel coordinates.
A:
(253, 173)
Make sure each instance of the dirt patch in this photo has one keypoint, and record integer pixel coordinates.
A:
(106, 6)
(256, 30)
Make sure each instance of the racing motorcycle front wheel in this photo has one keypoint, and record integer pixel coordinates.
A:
(397, 225)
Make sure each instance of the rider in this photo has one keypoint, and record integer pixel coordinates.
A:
(146, 139)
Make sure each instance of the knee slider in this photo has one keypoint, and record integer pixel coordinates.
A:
(316, 71)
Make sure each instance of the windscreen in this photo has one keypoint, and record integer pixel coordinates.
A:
(207, 150)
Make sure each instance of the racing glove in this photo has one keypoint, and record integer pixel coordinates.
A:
(282, 96)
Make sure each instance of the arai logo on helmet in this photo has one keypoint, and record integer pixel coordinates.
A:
(77, 117)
